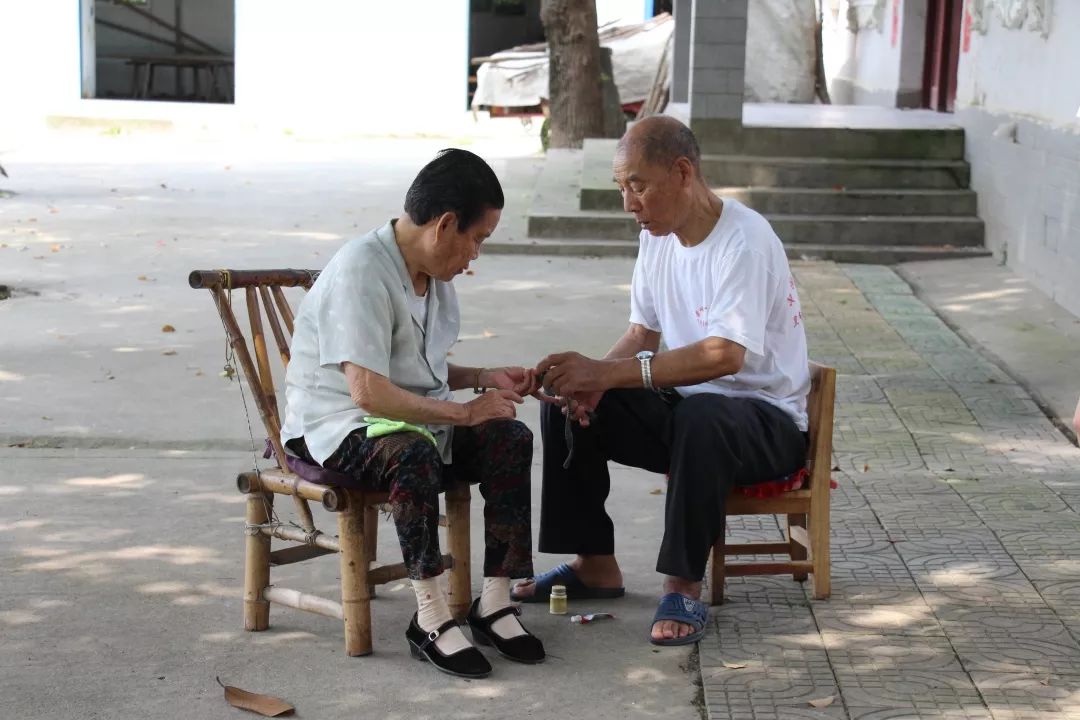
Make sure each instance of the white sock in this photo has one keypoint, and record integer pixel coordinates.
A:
(432, 612)
(496, 596)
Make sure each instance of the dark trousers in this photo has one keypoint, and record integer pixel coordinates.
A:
(497, 455)
(706, 443)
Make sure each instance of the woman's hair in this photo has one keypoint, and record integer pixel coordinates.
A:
(456, 181)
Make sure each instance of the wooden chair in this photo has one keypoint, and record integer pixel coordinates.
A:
(807, 510)
(357, 511)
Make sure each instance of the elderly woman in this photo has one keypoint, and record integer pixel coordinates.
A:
(369, 355)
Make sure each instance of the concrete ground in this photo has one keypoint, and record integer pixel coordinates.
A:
(955, 522)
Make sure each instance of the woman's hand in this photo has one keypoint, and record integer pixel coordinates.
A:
(519, 380)
(492, 405)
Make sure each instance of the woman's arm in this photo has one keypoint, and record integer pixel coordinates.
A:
(380, 397)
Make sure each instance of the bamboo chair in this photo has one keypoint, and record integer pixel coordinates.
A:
(807, 509)
(357, 510)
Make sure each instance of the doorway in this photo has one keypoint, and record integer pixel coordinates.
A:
(174, 50)
(943, 21)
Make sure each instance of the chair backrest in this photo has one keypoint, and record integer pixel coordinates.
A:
(264, 294)
(819, 409)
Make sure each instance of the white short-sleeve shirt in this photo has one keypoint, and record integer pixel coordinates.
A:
(361, 310)
(736, 285)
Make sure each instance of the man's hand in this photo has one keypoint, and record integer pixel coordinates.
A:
(581, 405)
(516, 379)
(492, 405)
(568, 373)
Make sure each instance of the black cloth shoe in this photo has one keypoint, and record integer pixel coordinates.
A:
(467, 663)
(525, 648)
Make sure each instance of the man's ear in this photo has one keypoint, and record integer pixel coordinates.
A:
(686, 170)
(446, 222)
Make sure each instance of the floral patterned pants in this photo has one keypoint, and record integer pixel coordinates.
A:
(497, 455)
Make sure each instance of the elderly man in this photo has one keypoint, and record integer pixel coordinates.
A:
(369, 396)
(723, 405)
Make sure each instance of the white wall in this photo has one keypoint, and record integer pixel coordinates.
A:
(1017, 100)
(347, 64)
(39, 57)
(1020, 71)
(623, 12)
(340, 65)
(864, 52)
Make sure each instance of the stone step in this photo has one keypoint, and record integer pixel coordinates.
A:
(744, 170)
(836, 142)
(869, 254)
(760, 170)
(828, 230)
(820, 201)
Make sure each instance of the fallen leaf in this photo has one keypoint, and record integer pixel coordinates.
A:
(53, 210)
(168, 328)
(489, 334)
(657, 491)
(866, 468)
(267, 705)
(822, 702)
(164, 186)
(734, 666)
(46, 417)
(198, 373)
(169, 352)
(54, 248)
(143, 278)
(469, 272)
(836, 468)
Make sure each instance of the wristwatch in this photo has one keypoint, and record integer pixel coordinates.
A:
(645, 358)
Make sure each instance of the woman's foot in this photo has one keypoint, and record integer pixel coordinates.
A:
(433, 613)
(514, 643)
(424, 645)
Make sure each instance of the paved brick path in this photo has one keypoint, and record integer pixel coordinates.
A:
(956, 538)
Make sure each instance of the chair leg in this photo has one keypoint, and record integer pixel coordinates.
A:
(819, 554)
(355, 600)
(457, 541)
(716, 574)
(796, 549)
(371, 541)
(257, 562)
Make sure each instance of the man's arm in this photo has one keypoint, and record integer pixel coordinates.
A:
(702, 361)
(705, 360)
(380, 397)
(634, 340)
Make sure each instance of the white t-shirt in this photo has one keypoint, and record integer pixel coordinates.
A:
(736, 285)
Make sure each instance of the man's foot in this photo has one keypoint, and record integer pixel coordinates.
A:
(674, 630)
(595, 572)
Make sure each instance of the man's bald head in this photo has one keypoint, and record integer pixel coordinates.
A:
(661, 140)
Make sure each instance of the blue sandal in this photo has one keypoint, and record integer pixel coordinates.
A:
(681, 609)
(575, 589)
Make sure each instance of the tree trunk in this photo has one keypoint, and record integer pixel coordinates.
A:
(575, 97)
